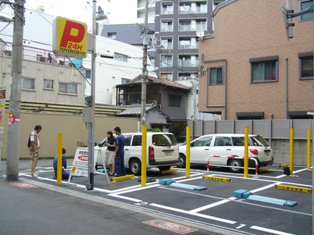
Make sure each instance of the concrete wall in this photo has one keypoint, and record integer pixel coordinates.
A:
(72, 128)
(281, 152)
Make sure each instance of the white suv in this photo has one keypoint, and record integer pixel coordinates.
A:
(162, 151)
(226, 149)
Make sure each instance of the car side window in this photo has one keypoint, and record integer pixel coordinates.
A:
(204, 141)
(238, 141)
(127, 140)
(222, 141)
(137, 140)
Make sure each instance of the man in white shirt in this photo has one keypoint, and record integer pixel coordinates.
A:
(34, 146)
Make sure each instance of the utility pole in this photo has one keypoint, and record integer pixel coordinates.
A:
(91, 108)
(144, 70)
(12, 167)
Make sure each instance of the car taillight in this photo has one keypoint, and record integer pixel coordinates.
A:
(254, 151)
(151, 152)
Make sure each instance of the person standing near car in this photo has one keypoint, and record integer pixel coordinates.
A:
(34, 146)
(119, 158)
(111, 152)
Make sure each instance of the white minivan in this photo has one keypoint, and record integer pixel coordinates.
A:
(223, 149)
(162, 151)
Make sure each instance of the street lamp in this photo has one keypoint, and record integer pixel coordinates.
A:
(100, 15)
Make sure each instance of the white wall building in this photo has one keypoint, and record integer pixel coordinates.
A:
(125, 65)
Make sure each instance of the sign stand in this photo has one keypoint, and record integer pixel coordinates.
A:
(80, 164)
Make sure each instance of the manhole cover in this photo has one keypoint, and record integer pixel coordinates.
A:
(173, 227)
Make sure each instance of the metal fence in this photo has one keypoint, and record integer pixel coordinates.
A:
(270, 129)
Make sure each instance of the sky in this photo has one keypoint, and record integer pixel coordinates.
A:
(81, 10)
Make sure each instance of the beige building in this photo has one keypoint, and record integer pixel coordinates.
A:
(249, 67)
(44, 79)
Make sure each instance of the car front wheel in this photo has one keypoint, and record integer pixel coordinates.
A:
(135, 166)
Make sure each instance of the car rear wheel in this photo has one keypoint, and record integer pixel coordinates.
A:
(235, 164)
(135, 166)
(181, 163)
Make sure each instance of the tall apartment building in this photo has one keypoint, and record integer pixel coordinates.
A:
(250, 69)
(179, 24)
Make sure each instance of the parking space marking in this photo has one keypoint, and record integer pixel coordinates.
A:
(263, 188)
(194, 214)
(196, 210)
(125, 198)
(270, 230)
(294, 172)
(237, 201)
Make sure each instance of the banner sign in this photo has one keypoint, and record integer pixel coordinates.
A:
(80, 163)
(70, 37)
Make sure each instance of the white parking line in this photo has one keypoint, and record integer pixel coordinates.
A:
(125, 198)
(267, 230)
(194, 214)
(294, 172)
(264, 188)
(211, 205)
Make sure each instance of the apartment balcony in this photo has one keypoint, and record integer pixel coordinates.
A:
(188, 63)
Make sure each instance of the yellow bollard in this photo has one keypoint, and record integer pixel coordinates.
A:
(246, 153)
(188, 153)
(144, 155)
(308, 162)
(59, 160)
(291, 151)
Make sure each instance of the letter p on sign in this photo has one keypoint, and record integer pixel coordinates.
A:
(70, 38)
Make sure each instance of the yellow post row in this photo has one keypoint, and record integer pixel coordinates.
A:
(291, 151)
(246, 152)
(308, 162)
(144, 155)
(59, 160)
(188, 153)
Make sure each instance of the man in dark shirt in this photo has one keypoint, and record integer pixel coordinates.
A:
(65, 174)
(119, 159)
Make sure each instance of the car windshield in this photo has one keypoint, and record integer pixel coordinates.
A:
(164, 140)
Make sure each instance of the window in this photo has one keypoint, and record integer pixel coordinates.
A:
(188, 43)
(125, 81)
(166, 43)
(306, 65)
(215, 76)
(167, 8)
(264, 69)
(223, 141)
(48, 84)
(185, 25)
(137, 140)
(174, 101)
(201, 25)
(120, 57)
(166, 61)
(28, 84)
(127, 141)
(203, 141)
(188, 60)
(88, 74)
(112, 35)
(162, 140)
(238, 141)
(168, 76)
(68, 88)
(305, 5)
(166, 26)
(185, 76)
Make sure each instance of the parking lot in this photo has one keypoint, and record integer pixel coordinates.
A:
(215, 207)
